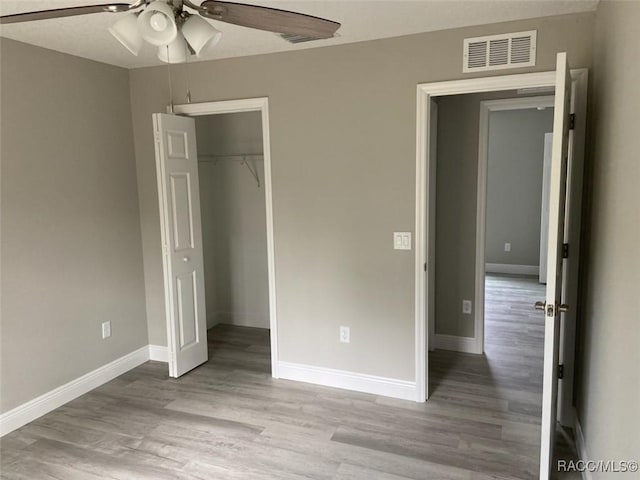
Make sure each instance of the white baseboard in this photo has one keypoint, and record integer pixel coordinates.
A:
(359, 382)
(512, 269)
(158, 353)
(456, 344)
(581, 447)
(29, 411)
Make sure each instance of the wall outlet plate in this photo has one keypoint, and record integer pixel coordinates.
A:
(345, 334)
(466, 306)
(507, 247)
(106, 329)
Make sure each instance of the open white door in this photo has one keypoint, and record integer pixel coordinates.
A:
(179, 195)
(552, 307)
(544, 211)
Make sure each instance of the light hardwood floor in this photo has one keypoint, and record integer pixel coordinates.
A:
(228, 419)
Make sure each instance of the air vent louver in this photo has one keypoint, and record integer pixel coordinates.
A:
(495, 52)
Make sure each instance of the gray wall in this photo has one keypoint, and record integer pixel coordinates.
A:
(609, 381)
(233, 220)
(514, 184)
(71, 247)
(456, 193)
(343, 149)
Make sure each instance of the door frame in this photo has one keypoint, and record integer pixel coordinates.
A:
(260, 104)
(425, 238)
(486, 107)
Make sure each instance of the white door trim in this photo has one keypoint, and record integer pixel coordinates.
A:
(252, 105)
(486, 107)
(425, 92)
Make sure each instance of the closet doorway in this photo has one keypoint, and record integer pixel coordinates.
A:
(230, 207)
(234, 228)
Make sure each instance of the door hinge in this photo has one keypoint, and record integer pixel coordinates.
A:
(425, 266)
(560, 371)
(572, 121)
(565, 250)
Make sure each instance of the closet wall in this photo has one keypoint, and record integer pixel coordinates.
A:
(233, 219)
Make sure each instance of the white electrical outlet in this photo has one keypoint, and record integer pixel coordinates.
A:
(345, 335)
(466, 306)
(106, 329)
(507, 247)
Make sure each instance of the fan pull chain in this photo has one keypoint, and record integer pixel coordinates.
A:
(169, 76)
(188, 77)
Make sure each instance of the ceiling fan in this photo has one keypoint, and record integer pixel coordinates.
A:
(177, 32)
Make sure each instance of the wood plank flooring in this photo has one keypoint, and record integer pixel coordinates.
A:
(228, 419)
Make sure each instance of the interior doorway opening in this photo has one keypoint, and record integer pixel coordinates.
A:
(234, 228)
(569, 126)
(214, 189)
(512, 224)
(488, 192)
(232, 206)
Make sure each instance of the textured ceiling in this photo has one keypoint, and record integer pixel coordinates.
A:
(87, 36)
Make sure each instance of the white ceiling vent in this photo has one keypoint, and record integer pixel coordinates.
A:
(495, 52)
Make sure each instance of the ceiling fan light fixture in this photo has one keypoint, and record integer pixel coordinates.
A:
(157, 24)
(175, 52)
(126, 32)
(200, 34)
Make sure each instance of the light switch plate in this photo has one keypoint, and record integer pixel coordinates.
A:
(507, 247)
(466, 306)
(402, 240)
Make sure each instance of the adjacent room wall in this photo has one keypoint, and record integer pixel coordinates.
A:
(456, 196)
(514, 185)
(609, 349)
(456, 193)
(233, 220)
(71, 247)
(343, 141)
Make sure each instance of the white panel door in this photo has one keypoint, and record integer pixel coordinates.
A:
(552, 306)
(544, 213)
(179, 195)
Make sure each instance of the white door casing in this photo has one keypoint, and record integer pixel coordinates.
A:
(427, 91)
(260, 104)
(181, 233)
(556, 229)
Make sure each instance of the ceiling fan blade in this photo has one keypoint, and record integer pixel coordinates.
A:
(65, 12)
(270, 19)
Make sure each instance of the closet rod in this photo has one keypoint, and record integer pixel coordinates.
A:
(243, 161)
(236, 156)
